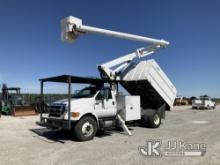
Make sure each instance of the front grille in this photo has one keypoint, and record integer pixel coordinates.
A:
(57, 110)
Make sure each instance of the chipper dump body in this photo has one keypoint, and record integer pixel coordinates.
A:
(147, 80)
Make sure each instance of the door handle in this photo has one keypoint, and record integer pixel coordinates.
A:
(113, 103)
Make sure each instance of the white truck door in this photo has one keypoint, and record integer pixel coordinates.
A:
(105, 105)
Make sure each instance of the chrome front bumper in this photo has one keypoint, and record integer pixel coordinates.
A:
(54, 123)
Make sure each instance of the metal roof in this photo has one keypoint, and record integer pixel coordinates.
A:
(74, 79)
(11, 88)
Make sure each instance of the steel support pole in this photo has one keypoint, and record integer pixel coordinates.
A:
(41, 98)
(69, 102)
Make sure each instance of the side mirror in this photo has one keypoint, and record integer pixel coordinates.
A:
(106, 94)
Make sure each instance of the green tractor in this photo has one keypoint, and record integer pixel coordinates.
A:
(11, 97)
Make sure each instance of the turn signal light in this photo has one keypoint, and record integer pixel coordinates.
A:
(75, 114)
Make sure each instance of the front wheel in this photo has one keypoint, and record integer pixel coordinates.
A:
(85, 129)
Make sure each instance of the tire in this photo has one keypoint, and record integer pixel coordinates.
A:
(155, 120)
(85, 129)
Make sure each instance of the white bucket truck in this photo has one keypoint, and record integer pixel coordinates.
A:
(100, 105)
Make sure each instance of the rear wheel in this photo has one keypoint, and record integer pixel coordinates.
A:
(85, 129)
(155, 120)
(152, 118)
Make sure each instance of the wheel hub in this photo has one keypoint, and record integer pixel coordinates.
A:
(156, 119)
(87, 129)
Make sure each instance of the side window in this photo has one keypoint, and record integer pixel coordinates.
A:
(104, 93)
(100, 95)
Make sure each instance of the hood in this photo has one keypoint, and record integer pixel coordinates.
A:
(74, 101)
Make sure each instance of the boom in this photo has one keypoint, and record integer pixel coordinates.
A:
(72, 27)
(112, 69)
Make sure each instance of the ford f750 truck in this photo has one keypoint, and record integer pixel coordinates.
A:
(101, 105)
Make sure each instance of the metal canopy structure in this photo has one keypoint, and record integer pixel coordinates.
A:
(74, 79)
(12, 89)
(70, 79)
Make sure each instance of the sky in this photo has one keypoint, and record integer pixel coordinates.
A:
(30, 45)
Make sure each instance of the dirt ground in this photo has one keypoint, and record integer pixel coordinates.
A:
(23, 142)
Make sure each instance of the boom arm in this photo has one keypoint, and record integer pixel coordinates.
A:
(72, 27)
(112, 68)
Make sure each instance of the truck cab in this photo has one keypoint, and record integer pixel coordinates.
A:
(95, 101)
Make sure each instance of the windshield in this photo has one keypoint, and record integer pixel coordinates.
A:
(86, 93)
(204, 98)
